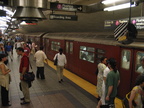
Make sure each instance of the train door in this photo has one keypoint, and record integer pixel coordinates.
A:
(69, 54)
(126, 67)
(138, 65)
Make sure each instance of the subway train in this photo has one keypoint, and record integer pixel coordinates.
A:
(84, 50)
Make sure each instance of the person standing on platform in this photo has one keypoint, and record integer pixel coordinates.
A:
(4, 80)
(24, 67)
(137, 93)
(102, 100)
(101, 67)
(112, 82)
(40, 57)
(60, 65)
(26, 49)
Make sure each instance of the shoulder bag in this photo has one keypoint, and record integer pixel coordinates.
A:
(29, 76)
(56, 60)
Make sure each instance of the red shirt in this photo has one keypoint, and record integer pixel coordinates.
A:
(24, 63)
(27, 51)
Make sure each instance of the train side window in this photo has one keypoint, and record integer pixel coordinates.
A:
(140, 62)
(125, 58)
(86, 54)
(71, 47)
(67, 47)
(55, 45)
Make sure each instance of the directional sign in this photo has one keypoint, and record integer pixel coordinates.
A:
(63, 17)
(65, 7)
(3, 2)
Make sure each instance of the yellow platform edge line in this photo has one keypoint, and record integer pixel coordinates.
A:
(90, 88)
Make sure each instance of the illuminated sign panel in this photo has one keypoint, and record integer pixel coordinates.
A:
(137, 21)
(63, 17)
(65, 7)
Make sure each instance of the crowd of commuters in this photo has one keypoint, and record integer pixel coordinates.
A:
(108, 80)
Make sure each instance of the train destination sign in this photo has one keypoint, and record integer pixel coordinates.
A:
(137, 21)
(63, 17)
(66, 7)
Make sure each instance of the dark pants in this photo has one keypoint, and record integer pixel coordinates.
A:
(4, 96)
(40, 72)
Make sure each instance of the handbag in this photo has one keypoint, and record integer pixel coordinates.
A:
(125, 101)
(29, 76)
(56, 60)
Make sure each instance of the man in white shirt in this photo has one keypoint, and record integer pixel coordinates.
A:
(60, 65)
(40, 56)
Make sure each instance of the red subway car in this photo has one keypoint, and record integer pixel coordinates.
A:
(84, 50)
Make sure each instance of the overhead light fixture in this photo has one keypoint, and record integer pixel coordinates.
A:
(118, 7)
(109, 1)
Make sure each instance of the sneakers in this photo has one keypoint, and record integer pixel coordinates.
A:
(24, 103)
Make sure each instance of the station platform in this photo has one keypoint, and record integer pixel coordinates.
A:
(74, 92)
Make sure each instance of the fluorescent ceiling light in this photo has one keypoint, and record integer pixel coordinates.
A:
(109, 1)
(118, 7)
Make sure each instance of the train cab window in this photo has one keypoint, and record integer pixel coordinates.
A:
(87, 54)
(140, 62)
(125, 58)
(71, 48)
(55, 45)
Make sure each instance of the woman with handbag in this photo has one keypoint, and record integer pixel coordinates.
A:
(4, 80)
(137, 93)
(61, 61)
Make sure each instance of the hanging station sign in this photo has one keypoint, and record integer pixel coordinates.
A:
(66, 7)
(63, 17)
(138, 22)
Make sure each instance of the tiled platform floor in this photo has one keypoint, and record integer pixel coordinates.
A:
(48, 93)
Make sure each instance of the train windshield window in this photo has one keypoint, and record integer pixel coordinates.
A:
(125, 59)
(87, 53)
(140, 62)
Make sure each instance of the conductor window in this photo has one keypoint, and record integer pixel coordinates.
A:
(140, 62)
(125, 58)
(87, 53)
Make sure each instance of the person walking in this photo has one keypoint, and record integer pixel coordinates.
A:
(8, 50)
(4, 80)
(137, 93)
(40, 56)
(112, 82)
(24, 67)
(60, 65)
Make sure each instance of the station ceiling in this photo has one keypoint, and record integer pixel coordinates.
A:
(87, 22)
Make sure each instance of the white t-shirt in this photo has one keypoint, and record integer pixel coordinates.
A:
(61, 59)
(141, 69)
(40, 57)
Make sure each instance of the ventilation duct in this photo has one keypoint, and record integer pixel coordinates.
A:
(29, 10)
(29, 14)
